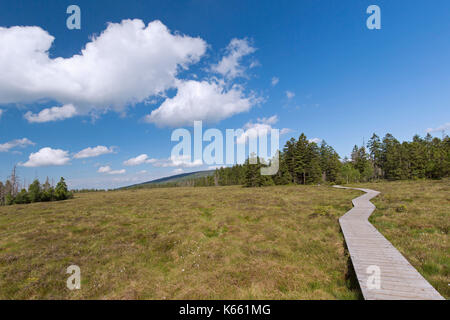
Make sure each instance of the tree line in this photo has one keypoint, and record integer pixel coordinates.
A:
(36, 192)
(305, 162)
(300, 162)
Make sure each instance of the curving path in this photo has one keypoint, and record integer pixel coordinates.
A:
(371, 252)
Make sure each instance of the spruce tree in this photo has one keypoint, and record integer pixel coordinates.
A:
(374, 146)
(300, 158)
(61, 192)
(34, 191)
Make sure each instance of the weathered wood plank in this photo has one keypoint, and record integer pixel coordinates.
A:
(398, 279)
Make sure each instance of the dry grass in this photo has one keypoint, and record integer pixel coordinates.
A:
(415, 217)
(180, 243)
(278, 242)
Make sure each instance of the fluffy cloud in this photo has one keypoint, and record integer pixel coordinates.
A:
(108, 170)
(315, 140)
(444, 127)
(254, 130)
(47, 157)
(285, 131)
(200, 100)
(141, 159)
(178, 161)
(275, 81)
(262, 127)
(1, 112)
(290, 94)
(5, 147)
(93, 152)
(271, 120)
(229, 66)
(184, 161)
(52, 114)
(127, 63)
(122, 171)
(104, 169)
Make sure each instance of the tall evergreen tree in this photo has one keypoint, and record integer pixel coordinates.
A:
(61, 191)
(282, 176)
(313, 172)
(289, 158)
(329, 163)
(300, 159)
(34, 191)
(374, 145)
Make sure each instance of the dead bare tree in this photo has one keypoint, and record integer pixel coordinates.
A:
(14, 178)
(2, 194)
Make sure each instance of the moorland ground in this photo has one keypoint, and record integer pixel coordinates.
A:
(280, 242)
(415, 217)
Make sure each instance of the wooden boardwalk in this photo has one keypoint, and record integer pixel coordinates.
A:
(371, 253)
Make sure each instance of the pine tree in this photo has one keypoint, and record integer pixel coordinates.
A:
(61, 192)
(251, 174)
(417, 158)
(300, 158)
(283, 176)
(374, 145)
(329, 163)
(390, 157)
(34, 191)
(22, 197)
(289, 158)
(313, 172)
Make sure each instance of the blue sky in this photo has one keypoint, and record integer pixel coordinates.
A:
(345, 80)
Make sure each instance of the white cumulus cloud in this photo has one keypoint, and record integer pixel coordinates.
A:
(47, 157)
(290, 94)
(93, 152)
(271, 120)
(127, 63)
(262, 127)
(275, 81)
(5, 147)
(200, 100)
(178, 161)
(108, 170)
(229, 66)
(285, 131)
(443, 127)
(52, 114)
(254, 130)
(140, 159)
(315, 140)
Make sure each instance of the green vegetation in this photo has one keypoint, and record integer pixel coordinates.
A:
(415, 217)
(278, 242)
(229, 242)
(9, 193)
(190, 179)
(304, 162)
(281, 242)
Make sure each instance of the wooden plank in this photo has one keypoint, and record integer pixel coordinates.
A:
(398, 279)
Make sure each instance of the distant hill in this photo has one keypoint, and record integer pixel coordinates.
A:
(174, 179)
